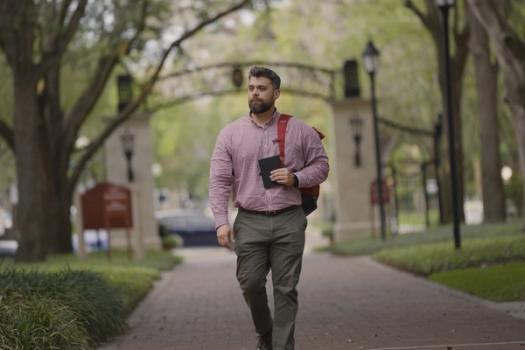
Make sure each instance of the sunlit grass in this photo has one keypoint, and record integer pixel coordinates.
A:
(490, 263)
(497, 283)
(426, 259)
(442, 234)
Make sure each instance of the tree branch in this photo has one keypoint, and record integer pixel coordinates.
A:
(63, 12)
(4, 50)
(86, 102)
(6, 133)
(63, 37)
(72, 27)
(148, 86)
(9, 13)
(80, 111)
(422, 17)
(145, 91)
(489, 13)
(455, 23)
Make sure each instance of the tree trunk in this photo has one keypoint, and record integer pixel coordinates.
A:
(31, 217)
(433, 23)
(519, 127)
(487, 88)
(510, 52)
(60, 196)
(58, 233)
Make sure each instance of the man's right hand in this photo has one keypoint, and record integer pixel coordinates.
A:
(225, 236)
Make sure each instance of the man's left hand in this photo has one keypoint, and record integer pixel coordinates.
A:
(282, 176)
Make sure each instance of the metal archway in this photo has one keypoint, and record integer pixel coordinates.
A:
(229, 78)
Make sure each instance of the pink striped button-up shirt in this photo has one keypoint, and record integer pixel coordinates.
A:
(235, 158)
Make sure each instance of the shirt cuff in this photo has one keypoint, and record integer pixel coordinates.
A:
(221, 220)
(300, 179)
(295, 181)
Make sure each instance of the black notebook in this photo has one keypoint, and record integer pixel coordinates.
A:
(267, 165)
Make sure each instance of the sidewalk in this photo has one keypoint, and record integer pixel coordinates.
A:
(345, 303)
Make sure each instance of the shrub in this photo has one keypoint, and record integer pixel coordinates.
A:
(49, 306)
(35, 322)
(327, 231)
(171, 241)
(94, 305)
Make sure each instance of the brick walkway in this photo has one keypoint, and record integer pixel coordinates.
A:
(345, 303)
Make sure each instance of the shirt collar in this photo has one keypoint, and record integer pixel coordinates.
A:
(274, 117)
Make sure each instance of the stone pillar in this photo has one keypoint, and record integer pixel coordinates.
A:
(354, 214)
(144, 233)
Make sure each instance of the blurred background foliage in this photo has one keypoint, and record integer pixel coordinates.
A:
(312, 32)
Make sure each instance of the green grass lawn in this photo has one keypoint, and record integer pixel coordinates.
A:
(504, 282)
(426, 259)
(417, 218)
(369, 245)
(153, 259)
(490, 263)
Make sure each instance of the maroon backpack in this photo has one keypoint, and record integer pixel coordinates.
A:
(309, 195)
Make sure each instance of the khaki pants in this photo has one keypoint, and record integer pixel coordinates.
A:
(277, 243)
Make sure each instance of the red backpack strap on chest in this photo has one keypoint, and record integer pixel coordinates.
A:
(282, 123)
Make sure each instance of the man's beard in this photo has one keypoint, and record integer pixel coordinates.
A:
(258, 107)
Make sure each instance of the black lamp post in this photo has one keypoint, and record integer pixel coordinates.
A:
(356, 124)
(128, 140)
(444, 6)
(371, 60)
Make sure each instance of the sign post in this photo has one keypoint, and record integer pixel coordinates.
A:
(108, 206)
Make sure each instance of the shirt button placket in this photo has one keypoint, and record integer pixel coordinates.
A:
(262, 153)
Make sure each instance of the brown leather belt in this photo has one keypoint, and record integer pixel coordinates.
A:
(270, 212)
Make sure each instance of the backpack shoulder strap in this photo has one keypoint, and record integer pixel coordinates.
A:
(282, 123)
(320, 134)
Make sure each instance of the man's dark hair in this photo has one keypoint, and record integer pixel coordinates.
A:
(267, 73)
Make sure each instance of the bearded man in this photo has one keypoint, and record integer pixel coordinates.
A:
(269, 230)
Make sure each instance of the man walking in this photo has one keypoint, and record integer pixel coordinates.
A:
(268, 232)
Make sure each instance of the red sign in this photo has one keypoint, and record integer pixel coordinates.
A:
(385, 195)
(107, 206)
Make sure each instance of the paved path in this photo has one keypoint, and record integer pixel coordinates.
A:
(345, 303)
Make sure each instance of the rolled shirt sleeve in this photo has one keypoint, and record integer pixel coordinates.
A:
(221, 179)
(316, 166)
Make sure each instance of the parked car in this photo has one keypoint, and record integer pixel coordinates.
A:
(8, 248)
(94, 241)
(192, 226)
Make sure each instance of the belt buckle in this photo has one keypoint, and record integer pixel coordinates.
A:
(271, 213)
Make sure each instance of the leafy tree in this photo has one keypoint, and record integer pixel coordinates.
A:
(37, 39)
